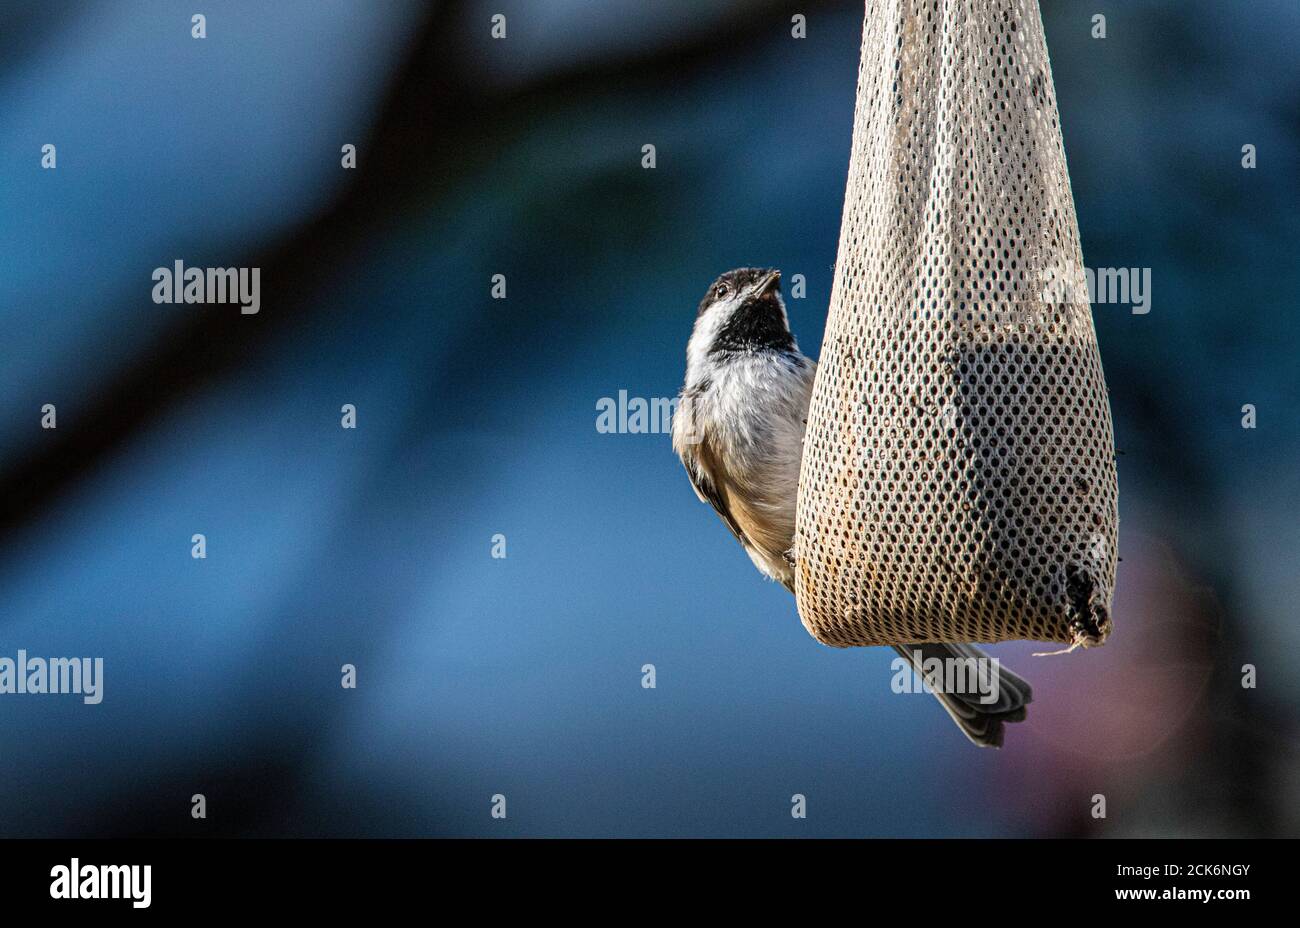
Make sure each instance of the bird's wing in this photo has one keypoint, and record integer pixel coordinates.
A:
(710, 485)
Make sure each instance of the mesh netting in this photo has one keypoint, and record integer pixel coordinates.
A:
(958, 479)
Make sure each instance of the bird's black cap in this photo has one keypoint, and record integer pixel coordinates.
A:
(742, 278)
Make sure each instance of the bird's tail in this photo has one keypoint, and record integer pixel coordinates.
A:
(999, 697)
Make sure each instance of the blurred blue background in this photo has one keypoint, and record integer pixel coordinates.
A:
(522, 676)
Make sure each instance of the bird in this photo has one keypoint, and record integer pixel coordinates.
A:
(739, 429)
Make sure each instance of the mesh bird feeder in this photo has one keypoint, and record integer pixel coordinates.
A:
(958, 479)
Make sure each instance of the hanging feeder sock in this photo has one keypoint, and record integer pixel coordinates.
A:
(958, 479)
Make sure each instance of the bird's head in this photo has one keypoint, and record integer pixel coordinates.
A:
(742, 311)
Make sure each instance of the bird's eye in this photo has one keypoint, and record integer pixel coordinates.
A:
(722, 291)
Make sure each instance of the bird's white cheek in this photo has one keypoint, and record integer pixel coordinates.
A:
(706, 329)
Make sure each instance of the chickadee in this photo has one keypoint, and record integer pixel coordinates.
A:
(739, 431)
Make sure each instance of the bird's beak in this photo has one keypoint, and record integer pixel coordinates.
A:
(768, 284)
